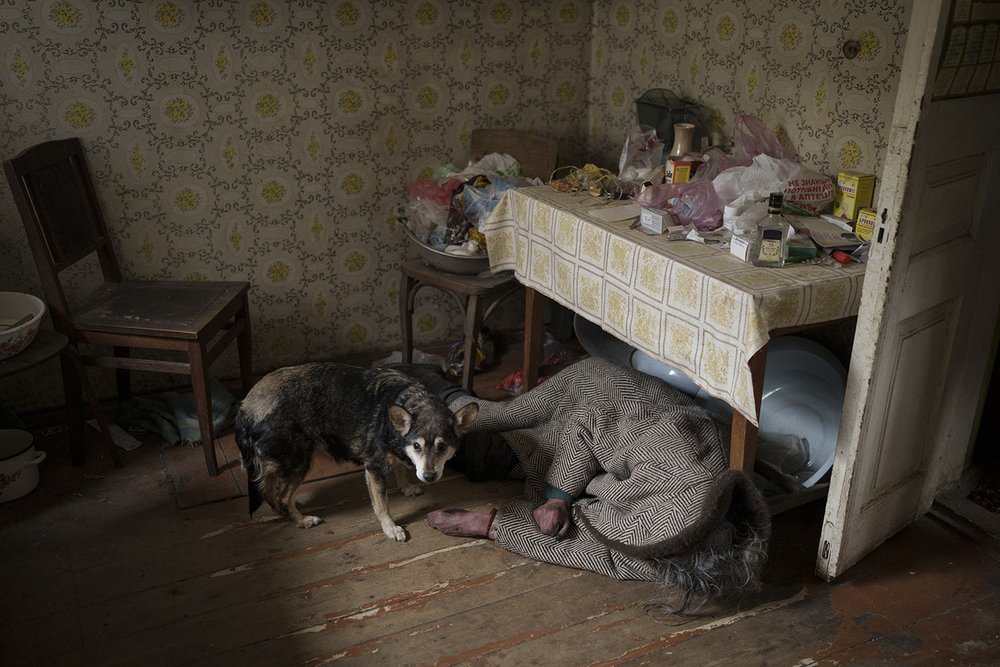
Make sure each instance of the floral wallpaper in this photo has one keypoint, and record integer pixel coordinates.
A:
(268, 140)
(780, 60)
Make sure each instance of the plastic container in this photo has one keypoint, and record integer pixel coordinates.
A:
(463, 264)
(802, 398)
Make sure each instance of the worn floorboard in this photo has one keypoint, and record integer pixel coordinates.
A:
(158, 564)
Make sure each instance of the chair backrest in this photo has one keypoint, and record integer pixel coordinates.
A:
(62, 217)
(536, 154)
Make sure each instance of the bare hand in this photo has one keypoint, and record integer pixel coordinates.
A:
(553, 518)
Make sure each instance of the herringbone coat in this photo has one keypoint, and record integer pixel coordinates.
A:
(646, 465)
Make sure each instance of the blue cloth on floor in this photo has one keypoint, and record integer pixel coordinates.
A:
(174, 416)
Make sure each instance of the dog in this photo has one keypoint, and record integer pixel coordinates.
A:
(377, 418)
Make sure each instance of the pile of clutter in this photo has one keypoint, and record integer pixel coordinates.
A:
(720, 196)
(445, 211)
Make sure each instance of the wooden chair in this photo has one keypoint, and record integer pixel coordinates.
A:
(478, 296)
(536, 154)
(64, 223)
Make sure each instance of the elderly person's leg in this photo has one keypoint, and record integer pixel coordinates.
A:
(554, 518)
(516, 529)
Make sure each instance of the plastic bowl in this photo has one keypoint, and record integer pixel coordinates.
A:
(445, 261)
(13, 307)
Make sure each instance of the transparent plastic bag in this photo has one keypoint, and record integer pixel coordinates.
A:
(694, 203)
(480, 202)
(641, 156)
(757, 139)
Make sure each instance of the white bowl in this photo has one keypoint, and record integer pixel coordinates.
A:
(804, 388)
(13, 307)
(464, 264)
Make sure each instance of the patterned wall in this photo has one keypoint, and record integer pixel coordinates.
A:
(268, 140)
(779, 60)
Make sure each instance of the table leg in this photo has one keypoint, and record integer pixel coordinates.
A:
(534, 305)
(406, 317)
(473, 312)
(743, 439)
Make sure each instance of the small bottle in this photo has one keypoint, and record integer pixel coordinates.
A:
(771, 244)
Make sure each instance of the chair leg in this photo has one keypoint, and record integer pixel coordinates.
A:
(95, 405)
(123, 376)
(473, 312)
(73, 394)
(406, 317)
(244, 345)
(203, 402)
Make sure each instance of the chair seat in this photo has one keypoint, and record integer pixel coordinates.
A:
(464, 284)
(164, 309)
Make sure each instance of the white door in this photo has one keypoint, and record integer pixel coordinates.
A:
(928, 312)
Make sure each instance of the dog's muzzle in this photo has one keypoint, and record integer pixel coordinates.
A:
(429, 476)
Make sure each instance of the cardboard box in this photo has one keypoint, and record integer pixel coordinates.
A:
(800, 248)
(740, 247)
(656, 220)
(680, 169)
(854, 192)
(865, 226)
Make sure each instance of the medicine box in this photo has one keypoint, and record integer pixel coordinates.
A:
(679, 169)
(865, 226)
(800, 248)
(854, 192)
(740, 247)
(656, 220)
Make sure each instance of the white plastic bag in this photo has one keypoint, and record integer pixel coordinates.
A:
(641, 156)
(805, 190)
(743, 213)
(491, 165)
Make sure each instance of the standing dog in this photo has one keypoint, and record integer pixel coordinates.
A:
(370, 417)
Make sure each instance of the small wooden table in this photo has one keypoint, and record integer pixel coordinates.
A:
(46, 345)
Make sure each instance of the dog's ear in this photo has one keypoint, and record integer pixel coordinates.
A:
(400, 418)
(465, 418)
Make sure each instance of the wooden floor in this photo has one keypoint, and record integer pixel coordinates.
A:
(158, 564)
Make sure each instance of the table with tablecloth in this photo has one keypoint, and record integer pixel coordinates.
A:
(689, 304)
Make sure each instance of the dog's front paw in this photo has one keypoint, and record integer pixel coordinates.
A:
(310, 521)
(412, 490)
(394, 533)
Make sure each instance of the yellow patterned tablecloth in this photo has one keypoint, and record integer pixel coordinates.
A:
(691, 305)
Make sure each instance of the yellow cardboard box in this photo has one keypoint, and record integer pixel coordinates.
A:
(854, 192)
(865, 226)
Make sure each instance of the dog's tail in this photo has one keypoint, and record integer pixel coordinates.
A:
(251, 463)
